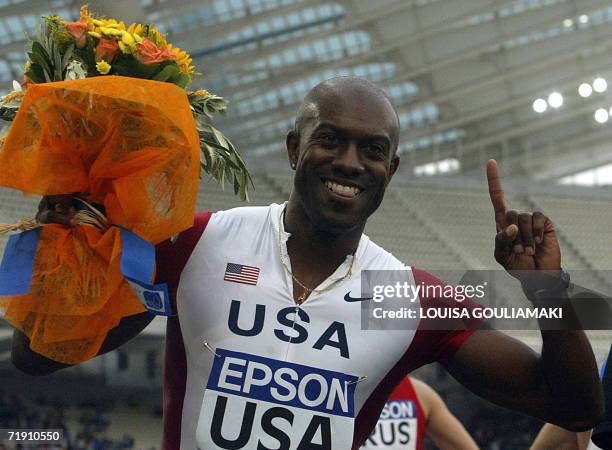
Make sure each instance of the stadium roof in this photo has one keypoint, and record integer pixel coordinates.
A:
(463, 74)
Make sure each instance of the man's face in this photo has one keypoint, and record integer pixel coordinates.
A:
(345, 159)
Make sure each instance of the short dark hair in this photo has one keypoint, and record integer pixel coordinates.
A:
(308, 107)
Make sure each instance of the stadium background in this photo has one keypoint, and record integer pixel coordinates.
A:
(465, 75)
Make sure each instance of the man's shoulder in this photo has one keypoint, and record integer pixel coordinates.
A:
(375, 257)
(249, 212)
(249, 216)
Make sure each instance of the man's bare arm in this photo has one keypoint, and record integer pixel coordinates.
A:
(442, 426)
(33, 363)
(552, 437)
(560, 386)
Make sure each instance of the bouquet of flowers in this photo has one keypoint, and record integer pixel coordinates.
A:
(102, 114)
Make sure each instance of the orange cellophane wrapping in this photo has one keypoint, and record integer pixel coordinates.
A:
(128, 144)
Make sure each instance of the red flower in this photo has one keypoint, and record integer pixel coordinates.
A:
(148, 53)
(78, 30)
(106, 50)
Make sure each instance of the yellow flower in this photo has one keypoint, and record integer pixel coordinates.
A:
(108, 23)
(135, 29)
(200, 92)
(149, 32)
(85, 16)
(94, 34)
(28, 64)
(111, 32)
(183, 60)
(128, 40)
(103, 67)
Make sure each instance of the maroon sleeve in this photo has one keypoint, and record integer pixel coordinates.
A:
(172, 257)
(171, 260)
(439, 339)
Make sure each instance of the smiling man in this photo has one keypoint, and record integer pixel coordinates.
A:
(267, 352)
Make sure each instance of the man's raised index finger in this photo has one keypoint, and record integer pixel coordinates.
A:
(496, 193)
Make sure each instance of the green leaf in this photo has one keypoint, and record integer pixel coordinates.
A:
(225, 163)
(66, 59)
(39, 59)
(244, 193)
(57, 64)
(206, 152)
(220, 138)
(38, 48)
(36, 73)
(236, 186)
(167, 73)
(182, 81)
(129, 66)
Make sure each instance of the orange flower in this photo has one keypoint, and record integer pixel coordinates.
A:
(148, 53)
(167, 54)
(78, 30)
(106, 49)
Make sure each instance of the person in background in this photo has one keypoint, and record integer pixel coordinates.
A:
(414, 410)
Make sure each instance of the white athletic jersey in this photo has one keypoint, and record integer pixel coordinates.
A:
(249, 369)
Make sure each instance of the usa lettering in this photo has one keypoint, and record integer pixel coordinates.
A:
(254, 402)
(278, 435)
(293, 331)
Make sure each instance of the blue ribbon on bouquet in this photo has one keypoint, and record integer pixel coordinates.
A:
(137, 265)
(18, 263)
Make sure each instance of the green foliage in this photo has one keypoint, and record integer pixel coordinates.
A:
(87, 57)
(208, 104)
(220, 159)
(48, 58)
(58, 32)
(129, 66)
(171, 73)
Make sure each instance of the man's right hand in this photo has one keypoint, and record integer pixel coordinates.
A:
(61, 209)
(524, 241)
(57, 209)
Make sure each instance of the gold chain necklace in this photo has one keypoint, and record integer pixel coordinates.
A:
(306, 290)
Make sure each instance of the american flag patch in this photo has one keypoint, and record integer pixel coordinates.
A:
(239, 273)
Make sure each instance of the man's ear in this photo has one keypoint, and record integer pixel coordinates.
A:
(293, 147)
(394, 165)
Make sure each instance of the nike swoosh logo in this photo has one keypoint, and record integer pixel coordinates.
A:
(348, 298)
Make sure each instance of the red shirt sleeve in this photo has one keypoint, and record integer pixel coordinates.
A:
(439, 339)
(171, 258)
